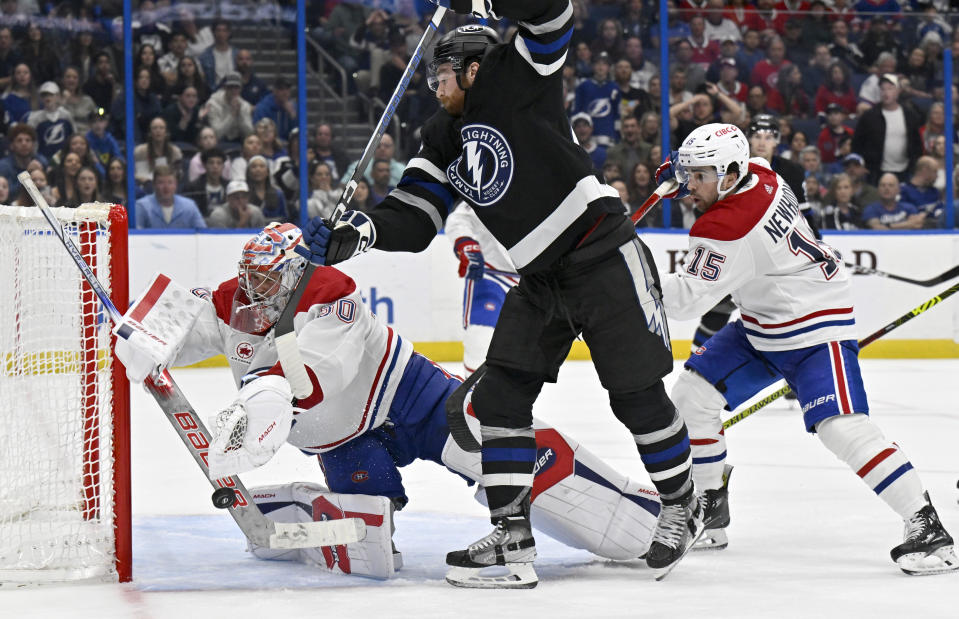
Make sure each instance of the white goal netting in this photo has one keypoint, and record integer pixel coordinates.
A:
(57, 400)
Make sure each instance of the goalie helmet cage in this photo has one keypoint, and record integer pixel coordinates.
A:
(64, 400)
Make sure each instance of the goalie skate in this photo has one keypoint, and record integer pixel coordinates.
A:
(927, 548)
(715, 515)
(501, 560)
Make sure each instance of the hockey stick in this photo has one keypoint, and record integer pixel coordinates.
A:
(667, 187)
(869, 339)
(294, 368)
(258, 528)
(934, 281)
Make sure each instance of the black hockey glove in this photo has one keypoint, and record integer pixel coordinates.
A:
(330, 243)
(479, 8)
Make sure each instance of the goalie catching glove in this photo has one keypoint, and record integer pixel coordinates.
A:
(252, 429)
(331, 243)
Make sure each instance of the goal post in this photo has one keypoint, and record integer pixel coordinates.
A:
(65, 509)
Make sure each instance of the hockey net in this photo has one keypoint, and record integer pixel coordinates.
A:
(64, 401)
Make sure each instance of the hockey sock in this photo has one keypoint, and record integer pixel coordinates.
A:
(700, 405)
(508, 457)
(880, 463)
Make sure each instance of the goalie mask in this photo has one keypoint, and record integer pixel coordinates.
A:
(457, 48)
(269, 271)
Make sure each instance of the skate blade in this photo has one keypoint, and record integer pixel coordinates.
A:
(664, 572)
(513, 576)
(712, 539)
(940, 561)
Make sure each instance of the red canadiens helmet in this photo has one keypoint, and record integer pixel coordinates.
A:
(269, 270)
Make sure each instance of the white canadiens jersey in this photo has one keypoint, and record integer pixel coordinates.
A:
(464, 222)
(793, 291)
(354, 361)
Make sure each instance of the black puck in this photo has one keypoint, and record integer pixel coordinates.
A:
(223, 498)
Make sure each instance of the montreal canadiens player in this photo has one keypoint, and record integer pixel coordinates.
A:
(797, 323)
(488, 273)
(376, 406)
(502, 142)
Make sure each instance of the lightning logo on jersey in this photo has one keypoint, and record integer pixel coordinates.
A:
(483, 172)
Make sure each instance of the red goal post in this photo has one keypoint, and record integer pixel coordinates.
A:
(64, 400)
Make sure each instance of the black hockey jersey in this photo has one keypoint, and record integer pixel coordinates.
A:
(511, 154)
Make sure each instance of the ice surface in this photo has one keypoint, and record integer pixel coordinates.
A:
(807, 538)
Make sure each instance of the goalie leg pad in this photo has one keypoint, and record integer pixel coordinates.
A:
(880, 463)
(700, 405)
(305, 502)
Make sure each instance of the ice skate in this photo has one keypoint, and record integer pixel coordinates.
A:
(927, 548)
(501, 560)
(715, 515)
(679, 527)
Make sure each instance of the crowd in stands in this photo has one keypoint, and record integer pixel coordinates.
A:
(858, 87)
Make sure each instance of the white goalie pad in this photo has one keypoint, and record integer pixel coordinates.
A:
(155, 327)
(577, 498)
(305, 502)
(251, 430)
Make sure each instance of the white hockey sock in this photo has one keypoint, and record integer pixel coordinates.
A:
(880, 463)
(700, 406)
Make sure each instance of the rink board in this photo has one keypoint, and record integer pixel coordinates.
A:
(421, 295)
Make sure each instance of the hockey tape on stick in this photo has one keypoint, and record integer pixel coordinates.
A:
(869, 339)
(934, 281)
(667, 187)
(289, 353)
(257, 527)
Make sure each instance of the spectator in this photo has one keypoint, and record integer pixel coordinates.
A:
(751, 52)
(629, 151)
(323, 196)
(102, 84)
(23, 146)
(205, 140)
(718, 27)
(703, 107)
(147, 60)
(208, 190)
(156, 152)
(797, 142)
(583, 128)
(920, 190)
(816, 73)
(935, 126)
(889, 213)
(39, 177)
(78, 144)
(632, 100)
(88, 185)
(828, 141)
(728, 50)
(219, 60)
(744, 15)
(101, 141)
(939, 155)
(816, 25)
(683, 59)
(115, 183)
(642, 69)
(252, 88)
(611, 171)
(649, 128)
(878, 39)
(9, 57)
(270, 145)
(344, 19)
(609, 40)
(641, 184)
(812, 207)
(840, 212)
(728, 83)
(65, 181)
(583, 61)
(262, 194)
(756, 101)
(620, 186)
(184, 117)
(326, 150)
(920, 72)
(811, 163)
(705, 50)
(38, 54)
(82, 49)
(188, 76)
(146, 107)
(198, 40)
(381, 186)
(238, 212)
(286, 175)
(862, 192)
(677, 27)
(279, 107)
(230, 116)
(786, 11)
(798, 51)
(372, 39)
(21, 96)
(836, 90)
(385, 150)
(53, 122)
(79, 104)
(164, 209)
(169, 63)
(362, 200)
(766, 71)
(584, 28)
(869, 91)
(887, 136)
(678, 93)
(843, 49)
(931, 21)
(932, 45)
(252, 146)
(654, 94)
(599, 97)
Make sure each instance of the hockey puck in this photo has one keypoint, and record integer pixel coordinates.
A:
(223, 498)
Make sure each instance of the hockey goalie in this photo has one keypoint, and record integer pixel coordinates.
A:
(376, 406)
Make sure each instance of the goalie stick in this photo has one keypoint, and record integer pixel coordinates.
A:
(869, 339)
(926, 283)
(258, 528)
(294, 368)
